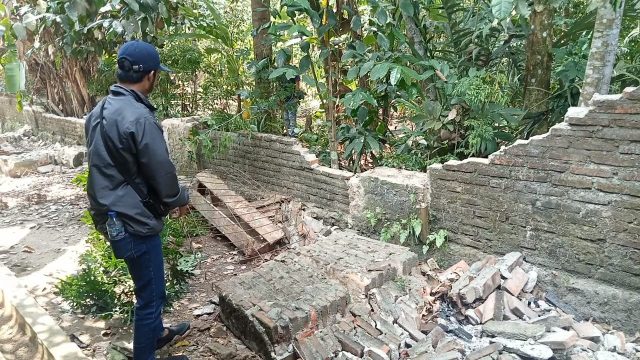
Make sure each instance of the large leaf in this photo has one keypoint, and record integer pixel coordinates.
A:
(133, 4)
(366, 67)
(406, 7)
(382, 16)
(395, 75)
(380, 70)
(305, 63)
(356, 23)
(501, 9)
(353, 73)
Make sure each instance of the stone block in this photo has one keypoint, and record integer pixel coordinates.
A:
(559, 340)
(516, 330)
(553, 320)
(524, 349)
(389, 194)
(607, 355)
(349, 344)
(485, 351)
(587, 331)
(586, 344)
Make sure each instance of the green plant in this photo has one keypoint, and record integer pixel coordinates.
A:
(103, 287)
(436, 239)
(404, 231)
(374, 217)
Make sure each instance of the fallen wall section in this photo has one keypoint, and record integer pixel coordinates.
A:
(62, 129)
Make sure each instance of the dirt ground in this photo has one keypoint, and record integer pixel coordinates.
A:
(41, 238)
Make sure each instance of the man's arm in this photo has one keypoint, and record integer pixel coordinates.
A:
(155, 165)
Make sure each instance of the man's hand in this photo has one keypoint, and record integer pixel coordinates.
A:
(181, 211)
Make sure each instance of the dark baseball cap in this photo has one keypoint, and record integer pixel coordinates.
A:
(141, 56)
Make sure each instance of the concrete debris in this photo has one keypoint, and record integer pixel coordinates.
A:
(531, 283)
(559, 340)
(513, 330)
(587, 331)
(606, 355)
(525, 349)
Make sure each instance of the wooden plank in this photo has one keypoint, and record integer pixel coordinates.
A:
(242, 208)
(230, 229)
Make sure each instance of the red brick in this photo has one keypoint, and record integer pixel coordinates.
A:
(517, 281)
(519, 309)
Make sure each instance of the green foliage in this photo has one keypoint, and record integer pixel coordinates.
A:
(437, 239)
(405, 231)
(103, 287)
(374, 217)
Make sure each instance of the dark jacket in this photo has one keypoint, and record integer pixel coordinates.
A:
(131, 123)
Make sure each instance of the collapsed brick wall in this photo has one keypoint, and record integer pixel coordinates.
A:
(569, 199)
(280, 165)
(63, 129)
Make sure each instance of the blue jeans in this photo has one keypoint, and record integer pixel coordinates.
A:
(143, 256)
(290, 117)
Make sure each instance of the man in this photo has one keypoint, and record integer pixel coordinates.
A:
(293, 97)
(132, 183)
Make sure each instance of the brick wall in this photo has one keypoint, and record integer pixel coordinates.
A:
(63, 129)
(281, 165)
(569, 199)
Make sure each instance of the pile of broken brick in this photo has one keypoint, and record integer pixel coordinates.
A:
(489, 310)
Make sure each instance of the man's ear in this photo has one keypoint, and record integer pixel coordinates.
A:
(152, 76)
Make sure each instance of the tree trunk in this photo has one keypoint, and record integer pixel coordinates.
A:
(537, 76)
(604, 46)
(262, 49)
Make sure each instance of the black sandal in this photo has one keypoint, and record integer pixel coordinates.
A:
(173, 332)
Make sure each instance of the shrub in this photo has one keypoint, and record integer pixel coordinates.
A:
(103, 287)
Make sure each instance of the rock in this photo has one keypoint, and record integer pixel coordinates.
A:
(46, 169)
(450, 355)
(554, 320)
(70, 156)
(513, 330)
(454, 272)
(606, 355)
(222, 352)
(588, 331)
(531, 283)
(349, 344)
(614, 342)
(485, 351)
(482, 286)
(559, 340)
(586, 344)
(509, 262)
(205, 310)
(524, 349)
(517, 281)
(518, 308)
(376, 354)
(201, 325)
(218, 331)
(436, 335)
(16, 166)
(477, 266)
(448, 345)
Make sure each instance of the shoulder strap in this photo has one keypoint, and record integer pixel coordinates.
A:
(118, 159)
